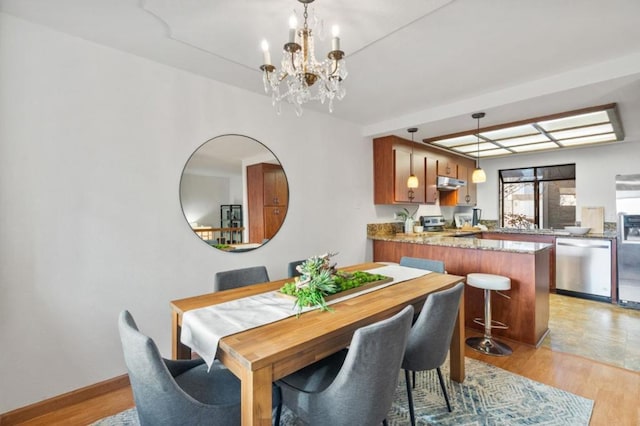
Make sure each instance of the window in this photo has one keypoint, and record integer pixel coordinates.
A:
(542, 197)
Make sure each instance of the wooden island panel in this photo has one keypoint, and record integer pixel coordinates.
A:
(526, 313)
(549, 239)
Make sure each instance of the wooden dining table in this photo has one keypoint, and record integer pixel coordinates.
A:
(261, 355)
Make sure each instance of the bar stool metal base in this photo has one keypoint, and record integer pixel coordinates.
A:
(489, 346)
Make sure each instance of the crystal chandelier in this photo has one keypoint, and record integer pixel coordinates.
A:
(301, 77)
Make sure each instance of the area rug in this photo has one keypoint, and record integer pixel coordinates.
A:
(488, 396)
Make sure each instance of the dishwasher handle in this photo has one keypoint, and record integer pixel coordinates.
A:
(585, 245)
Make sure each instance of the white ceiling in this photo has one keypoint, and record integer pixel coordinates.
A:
(424, 63)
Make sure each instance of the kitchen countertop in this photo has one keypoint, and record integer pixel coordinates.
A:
(429, 238)
(609, 235)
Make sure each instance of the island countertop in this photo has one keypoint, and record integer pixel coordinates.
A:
(465, 243)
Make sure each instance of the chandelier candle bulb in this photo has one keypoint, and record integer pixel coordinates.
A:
(335, 43)
(266, 56)
(293, 24)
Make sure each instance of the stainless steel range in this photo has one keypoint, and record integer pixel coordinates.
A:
(432, 223)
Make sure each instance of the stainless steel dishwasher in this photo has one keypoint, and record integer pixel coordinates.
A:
(583, 268)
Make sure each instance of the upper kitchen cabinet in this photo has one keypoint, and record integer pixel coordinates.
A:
(391, 163)
(391, 168)
(403, 158)
(448, 168)
(432, 180)
(465, 196)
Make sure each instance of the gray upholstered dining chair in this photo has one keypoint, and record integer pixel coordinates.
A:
(291, 268)
(428, 264)
(430, 338)
(168, 392)
(235, 278)
(354, 387)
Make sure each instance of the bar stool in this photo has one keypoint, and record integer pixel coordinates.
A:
(487, 344)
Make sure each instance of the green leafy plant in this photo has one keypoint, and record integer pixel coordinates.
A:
(320, 278)
(404, 214)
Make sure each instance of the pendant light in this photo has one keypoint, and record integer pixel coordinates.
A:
(478, 175)
(413, 181)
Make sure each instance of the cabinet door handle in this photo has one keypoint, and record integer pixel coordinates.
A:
(467, 198)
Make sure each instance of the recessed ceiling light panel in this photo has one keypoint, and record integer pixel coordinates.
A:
(591, 125)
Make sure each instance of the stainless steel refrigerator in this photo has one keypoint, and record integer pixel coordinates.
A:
(628, 241)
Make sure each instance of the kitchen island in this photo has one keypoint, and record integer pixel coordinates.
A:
(525, 263)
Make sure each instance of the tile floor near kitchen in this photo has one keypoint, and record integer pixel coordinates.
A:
(600, 331)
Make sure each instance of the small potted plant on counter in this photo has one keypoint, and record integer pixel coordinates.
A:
(408, 218)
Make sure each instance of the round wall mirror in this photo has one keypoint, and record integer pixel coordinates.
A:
(234, 193)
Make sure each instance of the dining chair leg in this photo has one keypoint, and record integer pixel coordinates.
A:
(409, 398)
(384, 422)
(444, 389)
(414, 379)
(279, 407)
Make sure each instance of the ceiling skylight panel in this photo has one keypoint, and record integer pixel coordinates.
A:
(461, 140)
(596, 124)
(474, 147)
(510, 132)
(523, 140)
(582, 131)
(575, 121)
(491, 152)
(535, 147)
(609, 137)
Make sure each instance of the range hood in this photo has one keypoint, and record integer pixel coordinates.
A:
(449, 184)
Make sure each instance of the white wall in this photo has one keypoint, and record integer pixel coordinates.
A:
(92, 145)
(596, 168)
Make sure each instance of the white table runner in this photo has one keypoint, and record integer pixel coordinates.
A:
(203, 328)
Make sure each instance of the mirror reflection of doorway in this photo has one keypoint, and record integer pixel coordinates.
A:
(219, 197)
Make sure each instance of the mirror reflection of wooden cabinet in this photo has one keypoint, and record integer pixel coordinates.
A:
(268, 198)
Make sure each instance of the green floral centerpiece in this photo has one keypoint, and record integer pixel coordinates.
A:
(320, 280)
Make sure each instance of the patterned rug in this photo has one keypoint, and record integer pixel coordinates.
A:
(488, 396)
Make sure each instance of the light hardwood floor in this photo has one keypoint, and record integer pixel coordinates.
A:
(616, 391)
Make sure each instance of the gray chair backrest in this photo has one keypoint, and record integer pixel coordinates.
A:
(235, 278)
(428, 264)
(364, 388)
(430, 335)
(292, 271)
(158, 398)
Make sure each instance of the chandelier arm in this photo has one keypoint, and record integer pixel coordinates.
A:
(335, 68)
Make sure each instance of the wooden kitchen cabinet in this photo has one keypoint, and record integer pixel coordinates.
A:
(402, 159)
(431, 189)
(391, 169)
(467, 194)
(391, 156)
(447, 168)
(268, 200)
